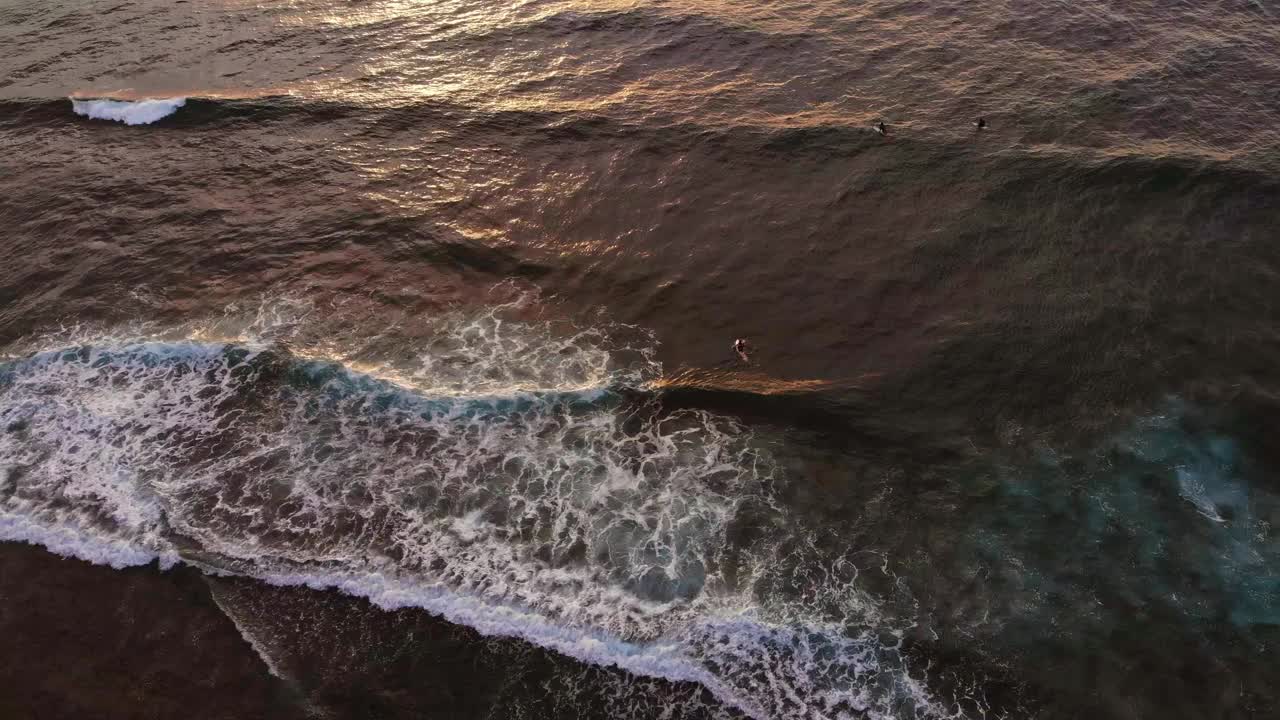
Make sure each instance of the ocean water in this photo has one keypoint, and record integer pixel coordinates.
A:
(373, 359)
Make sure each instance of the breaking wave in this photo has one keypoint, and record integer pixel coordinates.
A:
(520, 483)
(129, 112)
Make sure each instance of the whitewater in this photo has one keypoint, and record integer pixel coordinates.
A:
(513, 480)
(129, 112)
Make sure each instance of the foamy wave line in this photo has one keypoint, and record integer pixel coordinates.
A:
(71, 542)
(665, 660)
(129, 112)
(659, 660)
(101, 461)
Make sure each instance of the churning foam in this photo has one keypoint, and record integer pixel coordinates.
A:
(129, 112)
(549, 504)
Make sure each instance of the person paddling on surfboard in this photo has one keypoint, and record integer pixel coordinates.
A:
(740, 347)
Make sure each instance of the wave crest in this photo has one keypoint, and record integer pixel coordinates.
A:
(558, 503)
(129, 112)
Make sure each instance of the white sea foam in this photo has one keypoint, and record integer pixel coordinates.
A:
(129, 112)
(542, 505)
(71, 542)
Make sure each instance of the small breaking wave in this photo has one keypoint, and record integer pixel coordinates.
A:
(129, 112)
(1175, 495)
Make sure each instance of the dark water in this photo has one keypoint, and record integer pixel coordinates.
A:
(372, 359)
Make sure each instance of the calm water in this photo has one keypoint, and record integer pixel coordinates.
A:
(372, 359)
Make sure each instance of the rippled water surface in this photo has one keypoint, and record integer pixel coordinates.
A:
(372, 359)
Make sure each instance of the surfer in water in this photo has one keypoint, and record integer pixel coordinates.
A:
(981, 124)
(740, 347)
(881, 128)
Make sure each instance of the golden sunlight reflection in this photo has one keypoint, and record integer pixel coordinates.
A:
(741, 381)
(544, 57)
